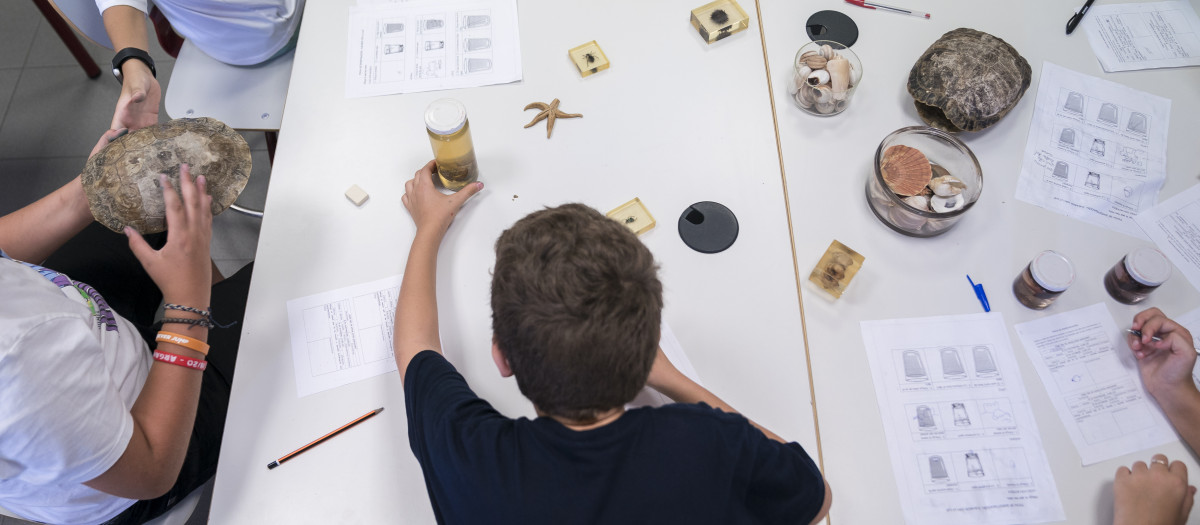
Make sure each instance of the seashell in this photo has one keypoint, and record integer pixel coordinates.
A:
(905, 170)
(803, 97)
(802, 73)
(946, 186)
(826, 108)
(816, 62)
(839, 76)
(822, 94)
(947, 204)
(818, 77)
(855, 75)
(919, 202)
(938, 170)
(906, 219)
(827, 51)
(795, 84)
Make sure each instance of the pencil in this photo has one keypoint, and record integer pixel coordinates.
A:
(321, 439)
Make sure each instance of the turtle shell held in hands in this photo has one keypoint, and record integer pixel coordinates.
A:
(967, 81)
(121, 181)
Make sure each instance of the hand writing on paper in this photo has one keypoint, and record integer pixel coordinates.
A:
(1155, 495)
(1167, 364)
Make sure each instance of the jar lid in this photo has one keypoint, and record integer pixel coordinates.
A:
(445, 116)
(1148, 266)
(1052, 271)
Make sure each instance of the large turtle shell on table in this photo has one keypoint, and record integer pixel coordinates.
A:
(967, 80)
(121, 181)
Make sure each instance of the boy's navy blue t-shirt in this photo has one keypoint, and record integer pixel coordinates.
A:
(675, 464)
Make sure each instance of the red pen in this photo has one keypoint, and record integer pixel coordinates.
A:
(900, 10)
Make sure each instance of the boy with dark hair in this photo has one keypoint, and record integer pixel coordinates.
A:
(576, 306)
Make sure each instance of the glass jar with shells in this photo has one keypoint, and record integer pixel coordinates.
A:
(826, 74)
(923, 181)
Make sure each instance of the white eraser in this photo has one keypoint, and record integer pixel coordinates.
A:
(357, 195)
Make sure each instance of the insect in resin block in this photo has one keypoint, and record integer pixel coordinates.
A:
(633, 215)
(719, 19)
(836, 268)
(589, 58)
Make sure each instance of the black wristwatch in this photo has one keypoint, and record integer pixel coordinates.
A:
(134, 53)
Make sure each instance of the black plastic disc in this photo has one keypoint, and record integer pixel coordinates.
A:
(832, 25)
(708, 227)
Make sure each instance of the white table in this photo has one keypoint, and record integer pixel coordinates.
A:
(674, 121)
(827, 161)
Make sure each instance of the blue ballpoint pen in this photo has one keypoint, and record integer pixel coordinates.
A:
(980, 294)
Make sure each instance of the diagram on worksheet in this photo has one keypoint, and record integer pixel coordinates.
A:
(1096, 150)
(422, 46)
(344, 335)
(964, 445)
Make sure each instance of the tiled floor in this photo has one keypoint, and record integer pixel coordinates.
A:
(51, 115)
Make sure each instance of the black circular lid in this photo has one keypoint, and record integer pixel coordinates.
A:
(832, 25)
(708, 227)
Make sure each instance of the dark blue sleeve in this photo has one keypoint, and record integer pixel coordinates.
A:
(785, 486)
(441, 407)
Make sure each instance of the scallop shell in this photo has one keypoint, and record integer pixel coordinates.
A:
(946, 186)
(818, 77)
(905, 170)
(816, 62)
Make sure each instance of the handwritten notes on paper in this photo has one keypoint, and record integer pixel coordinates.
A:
(964, 445)
(1147, 35)
(424, 46)
(1174, 226)
(1093, 380)
(344, 335)
(1097, 150)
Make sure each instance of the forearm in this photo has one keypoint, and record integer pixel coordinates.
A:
(684, 390)
(34, 232)
(416, 324)
(126, 27)
(1182, 408)
(163, 416)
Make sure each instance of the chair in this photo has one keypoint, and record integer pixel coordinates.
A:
(248, 98)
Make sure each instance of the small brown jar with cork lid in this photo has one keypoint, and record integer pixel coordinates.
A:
(1136, 275)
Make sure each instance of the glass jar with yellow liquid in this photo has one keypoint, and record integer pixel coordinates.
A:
(450, 136)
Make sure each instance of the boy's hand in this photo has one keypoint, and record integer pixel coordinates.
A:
(1166, 365)
(430, 209)
(182, 268)
(1154, 495)
(137, 106)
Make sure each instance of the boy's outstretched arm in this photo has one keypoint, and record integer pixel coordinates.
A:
(416, 327)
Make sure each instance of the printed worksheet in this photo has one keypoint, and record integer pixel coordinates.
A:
(1149, 35)
(1174, 226)
(416, 46)
(1092, 378)
(964, 445)
(1191, 321)
(344, 335)
(1097, 150)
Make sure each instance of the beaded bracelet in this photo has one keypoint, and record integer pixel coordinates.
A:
(178, 360)
(194, 322)
(205, 314)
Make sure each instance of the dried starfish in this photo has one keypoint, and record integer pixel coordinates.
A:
(549, 113)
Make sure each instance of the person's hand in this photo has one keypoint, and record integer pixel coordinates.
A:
(430, 209)
(663, 374)
(1166, 365)
(137, 106)
(106, 138)
(182, 268)
(1154, 495)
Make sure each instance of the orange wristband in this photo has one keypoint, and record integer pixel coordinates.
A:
(184, 341)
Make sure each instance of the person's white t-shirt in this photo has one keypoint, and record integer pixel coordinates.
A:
(70, 371)
(236, 32)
